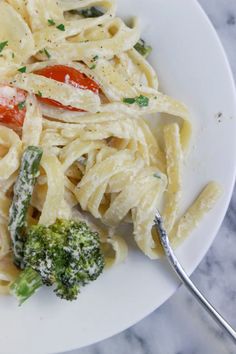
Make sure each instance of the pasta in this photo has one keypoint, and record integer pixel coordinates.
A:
(99, 152)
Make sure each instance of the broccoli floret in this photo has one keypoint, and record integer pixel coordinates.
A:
(66, 254)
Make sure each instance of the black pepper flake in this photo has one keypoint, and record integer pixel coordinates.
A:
(218, 116)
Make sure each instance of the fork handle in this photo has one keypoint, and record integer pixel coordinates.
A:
(188, 283)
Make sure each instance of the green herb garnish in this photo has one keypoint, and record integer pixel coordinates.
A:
(95, 58)
(13, 55)
(141, 100)
(61, 27)
(51, 22)
(3, 45)
(21, 105)
(39, 94)
(92, 67)
(142, 48)
(129, 100)
(46, 52)
(22, 70)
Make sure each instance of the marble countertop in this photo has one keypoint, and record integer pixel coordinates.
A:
(191, 329)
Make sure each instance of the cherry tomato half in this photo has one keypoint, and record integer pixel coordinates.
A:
(12, 106)
(69, 76)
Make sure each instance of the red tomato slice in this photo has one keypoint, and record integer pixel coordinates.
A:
(12, 106)
(69, 76)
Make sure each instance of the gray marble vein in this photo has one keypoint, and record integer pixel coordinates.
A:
(191, 329)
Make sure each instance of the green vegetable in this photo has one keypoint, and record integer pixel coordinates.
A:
(3, 45)
(46, 52)
(66, 254)
(51, 22)
(61, 27)
(129, 100)
(26, 284)
(142, 48)
(91, 12)
(39, 94)
(21, 105)
(92, 67)
(141, 100)
(23, 190)
(22, 70)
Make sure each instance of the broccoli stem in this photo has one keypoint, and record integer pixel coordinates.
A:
(23, 190)
(26, 284)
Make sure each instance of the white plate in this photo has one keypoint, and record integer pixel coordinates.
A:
(193, 68)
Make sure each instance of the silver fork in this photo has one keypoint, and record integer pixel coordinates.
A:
(186, 280)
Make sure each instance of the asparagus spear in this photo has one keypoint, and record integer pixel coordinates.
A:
(23, 190)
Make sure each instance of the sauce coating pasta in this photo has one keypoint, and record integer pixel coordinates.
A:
(74, 82)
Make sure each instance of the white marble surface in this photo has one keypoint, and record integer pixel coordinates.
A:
(180, 326)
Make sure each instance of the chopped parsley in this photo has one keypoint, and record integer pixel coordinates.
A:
(3, 45)
(93, 60)
(22, 70)
(142, 48)
(141, 100)
(13, 55)
(51, 22)
(21, 105)
(129, 100)
(46, 52)
(61, 27)
(39, 94)
(91, 12)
